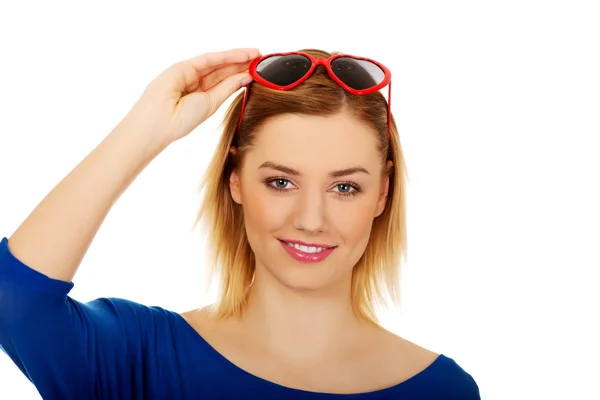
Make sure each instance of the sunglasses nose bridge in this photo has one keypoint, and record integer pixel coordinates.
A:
(321, 61)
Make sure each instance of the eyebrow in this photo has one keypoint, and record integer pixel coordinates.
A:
(332, 174)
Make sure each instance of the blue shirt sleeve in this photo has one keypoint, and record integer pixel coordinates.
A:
(67, 349)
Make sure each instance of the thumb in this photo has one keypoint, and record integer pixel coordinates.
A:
(199, 106)
(222, 91)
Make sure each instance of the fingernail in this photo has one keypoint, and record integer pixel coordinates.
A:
(246, 80)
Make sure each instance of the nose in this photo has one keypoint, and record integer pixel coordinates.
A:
(310, 212)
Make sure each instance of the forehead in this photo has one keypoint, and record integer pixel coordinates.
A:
(310, 142)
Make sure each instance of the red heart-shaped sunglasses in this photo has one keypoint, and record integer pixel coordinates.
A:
(285, 71)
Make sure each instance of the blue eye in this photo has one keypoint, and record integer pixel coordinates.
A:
(347, 189)
(285, 185)
(280, 183)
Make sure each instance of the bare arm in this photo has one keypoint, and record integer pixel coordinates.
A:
(55, 237)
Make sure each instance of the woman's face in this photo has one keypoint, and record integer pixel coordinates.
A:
(310, 189)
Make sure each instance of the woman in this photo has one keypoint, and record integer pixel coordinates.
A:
(304, 205)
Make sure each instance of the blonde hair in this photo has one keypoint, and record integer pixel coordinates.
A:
(376, 276)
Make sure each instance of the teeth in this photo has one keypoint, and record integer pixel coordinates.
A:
(306, 249)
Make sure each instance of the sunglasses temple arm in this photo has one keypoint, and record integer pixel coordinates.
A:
(389, 126)
(246, 89)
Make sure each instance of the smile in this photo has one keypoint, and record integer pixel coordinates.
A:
(306, 249)
(307, 253)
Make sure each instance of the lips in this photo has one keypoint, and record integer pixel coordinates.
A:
(307, 252)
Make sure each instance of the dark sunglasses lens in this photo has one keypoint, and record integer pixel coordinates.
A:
(358, 74)
(283, 70)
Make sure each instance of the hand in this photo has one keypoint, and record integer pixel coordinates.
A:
(187, 93)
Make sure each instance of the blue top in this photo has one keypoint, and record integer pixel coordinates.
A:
(112, 348)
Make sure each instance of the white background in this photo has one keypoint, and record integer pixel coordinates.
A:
(498, 106)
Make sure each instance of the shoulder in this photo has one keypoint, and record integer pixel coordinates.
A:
(452, 379)
(398, 353)
(124, 310)
(128, 319)
(205, 324)
(423, 367)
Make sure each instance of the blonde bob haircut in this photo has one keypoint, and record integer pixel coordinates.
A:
(376, 276)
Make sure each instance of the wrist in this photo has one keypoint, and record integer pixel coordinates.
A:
(139, 141)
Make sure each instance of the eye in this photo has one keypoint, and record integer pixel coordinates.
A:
(344, 188)
(347, 189)
(280, 183)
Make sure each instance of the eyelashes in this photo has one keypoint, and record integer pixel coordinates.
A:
(279, 184)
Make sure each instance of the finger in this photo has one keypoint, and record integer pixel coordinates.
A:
(204, 62)
(221, 92)
(185, 76)
(190, 82)
(209, 70)
(211, 100)
(219, 74)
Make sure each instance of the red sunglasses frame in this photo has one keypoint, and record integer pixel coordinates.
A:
(315, 62)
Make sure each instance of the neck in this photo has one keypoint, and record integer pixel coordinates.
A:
(300, 323)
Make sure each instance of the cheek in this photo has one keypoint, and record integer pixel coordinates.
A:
(353, 221)
(262, 212)
(355, 228)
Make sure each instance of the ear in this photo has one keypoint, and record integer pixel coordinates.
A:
(234, 186)
(384, 189)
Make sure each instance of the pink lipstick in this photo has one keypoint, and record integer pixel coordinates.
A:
(307, 252)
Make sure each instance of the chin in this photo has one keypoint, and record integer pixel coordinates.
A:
(302, 283)
(309, 277)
